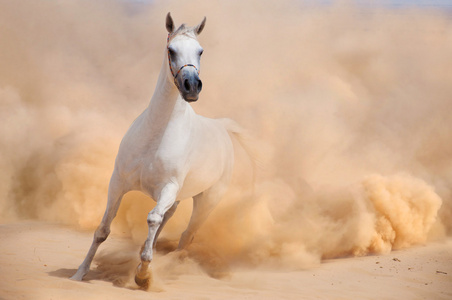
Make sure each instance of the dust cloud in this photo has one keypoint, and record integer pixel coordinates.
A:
(351, 105)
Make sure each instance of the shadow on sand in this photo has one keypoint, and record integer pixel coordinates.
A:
(118, 266)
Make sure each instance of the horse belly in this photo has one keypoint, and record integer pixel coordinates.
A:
(207, 170)
(197, 182)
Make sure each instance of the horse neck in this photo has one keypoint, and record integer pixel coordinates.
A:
(166, 102)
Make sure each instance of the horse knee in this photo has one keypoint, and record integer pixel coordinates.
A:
(101, 234)
(154, 219)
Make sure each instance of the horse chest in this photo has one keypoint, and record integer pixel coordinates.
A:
(193, 165)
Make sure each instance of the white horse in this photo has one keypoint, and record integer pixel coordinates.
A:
(170, 153)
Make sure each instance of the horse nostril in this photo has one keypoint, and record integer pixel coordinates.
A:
(186, 85)
(199, 85)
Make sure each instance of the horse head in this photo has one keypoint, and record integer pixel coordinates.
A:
(184, 57)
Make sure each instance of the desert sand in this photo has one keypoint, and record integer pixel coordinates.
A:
(37, 258)
(351, 106)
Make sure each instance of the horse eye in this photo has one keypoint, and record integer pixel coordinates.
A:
(171, 52)
(201, 52)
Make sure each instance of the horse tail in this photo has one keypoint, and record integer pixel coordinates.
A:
(247, 142)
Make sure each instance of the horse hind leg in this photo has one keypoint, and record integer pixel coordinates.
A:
(203, 205)
(115, 195)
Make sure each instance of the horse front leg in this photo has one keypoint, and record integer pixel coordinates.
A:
(115, 194)
(167, 216)
(155, 220)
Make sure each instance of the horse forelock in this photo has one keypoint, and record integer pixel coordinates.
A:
(183, 30)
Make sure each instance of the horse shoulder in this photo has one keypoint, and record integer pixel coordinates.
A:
(133, 151)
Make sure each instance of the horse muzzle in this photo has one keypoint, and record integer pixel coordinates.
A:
(189, 86)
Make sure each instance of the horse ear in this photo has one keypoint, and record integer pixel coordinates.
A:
(200, 27)
(169, 23)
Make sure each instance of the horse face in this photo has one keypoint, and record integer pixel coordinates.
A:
(184, 60)
(184, 56)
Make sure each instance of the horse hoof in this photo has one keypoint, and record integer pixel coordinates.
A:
(143, 283)
(77, 276)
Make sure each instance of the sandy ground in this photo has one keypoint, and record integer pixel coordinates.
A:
(36, 260)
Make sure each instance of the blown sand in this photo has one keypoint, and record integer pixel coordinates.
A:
(350, 106)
